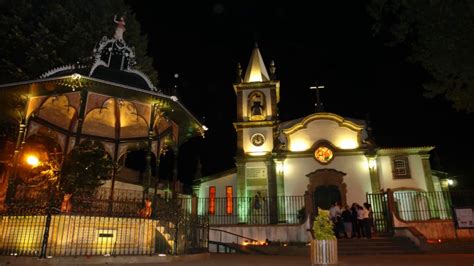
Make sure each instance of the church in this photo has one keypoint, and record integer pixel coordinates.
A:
(331, 157)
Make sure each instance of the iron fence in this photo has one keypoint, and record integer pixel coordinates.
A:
(422, 206)
(244, 210)
(97, 226)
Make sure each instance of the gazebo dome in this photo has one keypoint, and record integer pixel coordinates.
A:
(113, 62)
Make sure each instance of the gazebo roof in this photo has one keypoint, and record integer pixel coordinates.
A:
(189, 125)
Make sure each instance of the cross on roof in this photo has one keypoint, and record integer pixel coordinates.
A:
(319, 104)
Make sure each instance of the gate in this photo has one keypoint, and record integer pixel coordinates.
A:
(381, 213)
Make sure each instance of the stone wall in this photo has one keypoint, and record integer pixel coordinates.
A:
(436, 229)
(78, 235)
(274, 233)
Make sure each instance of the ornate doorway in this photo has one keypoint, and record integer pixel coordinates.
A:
(327, 186)
(324, 196)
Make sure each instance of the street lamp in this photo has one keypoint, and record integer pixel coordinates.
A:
(32, 160)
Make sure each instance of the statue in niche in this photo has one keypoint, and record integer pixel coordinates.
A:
(256, 103)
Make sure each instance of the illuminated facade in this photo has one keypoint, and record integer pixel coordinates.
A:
(320, 153)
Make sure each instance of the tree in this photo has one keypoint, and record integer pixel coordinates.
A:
(440, 37)
(39, 35)
(85, 168)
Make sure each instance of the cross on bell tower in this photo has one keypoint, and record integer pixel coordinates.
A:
(319, 104)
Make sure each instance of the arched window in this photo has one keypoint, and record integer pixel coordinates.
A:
(256, 106)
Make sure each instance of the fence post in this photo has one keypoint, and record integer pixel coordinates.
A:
(194, 205)
(391, 209)
(44, 244)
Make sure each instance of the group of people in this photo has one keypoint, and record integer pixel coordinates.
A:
(356, 221)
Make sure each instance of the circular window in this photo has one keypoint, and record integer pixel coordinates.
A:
(257, 139)
(323, 154)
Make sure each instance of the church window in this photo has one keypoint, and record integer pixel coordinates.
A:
(323, 154)
(256, 106)
(400, 167)
(212, 200)
(229, 200)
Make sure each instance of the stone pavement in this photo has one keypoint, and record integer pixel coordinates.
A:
(262, 260)
(405, 260)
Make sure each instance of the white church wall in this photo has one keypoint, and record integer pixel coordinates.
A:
(357, 176)
(416, 181)
(341, 137)
(220, 183)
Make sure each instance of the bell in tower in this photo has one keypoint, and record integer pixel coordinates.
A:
(257, 109)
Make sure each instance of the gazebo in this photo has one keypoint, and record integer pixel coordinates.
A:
(109, 103)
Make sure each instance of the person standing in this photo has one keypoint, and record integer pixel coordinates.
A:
(334, 215)
(366, 221)
(347, 221)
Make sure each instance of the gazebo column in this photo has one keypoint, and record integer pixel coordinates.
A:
(148, 162)
(114, 170)
(80, 117)
(175, 168)
(158, 161)
(149, 147)
(18, 147)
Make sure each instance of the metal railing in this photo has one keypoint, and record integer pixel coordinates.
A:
(97, 226)
(423, 206)
(245, 210)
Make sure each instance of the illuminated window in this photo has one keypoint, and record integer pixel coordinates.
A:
(323, 155)
(228, 195)
(212, 200)
(400, 168)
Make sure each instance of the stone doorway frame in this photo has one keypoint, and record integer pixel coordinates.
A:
(328, 177)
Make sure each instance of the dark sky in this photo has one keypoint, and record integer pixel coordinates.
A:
(330, 42)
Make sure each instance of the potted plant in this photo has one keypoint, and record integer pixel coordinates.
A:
(324, 243)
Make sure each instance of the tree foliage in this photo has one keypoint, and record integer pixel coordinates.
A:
(39, 35)
(440, 35)
(85, 168)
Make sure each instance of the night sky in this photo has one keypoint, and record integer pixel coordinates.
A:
(330, 42)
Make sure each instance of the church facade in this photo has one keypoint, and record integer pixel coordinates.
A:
(332, 157)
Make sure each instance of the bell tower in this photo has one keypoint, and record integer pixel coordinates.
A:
(257, 118)
(257, 97)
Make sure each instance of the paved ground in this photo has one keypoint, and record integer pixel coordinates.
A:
(234, 259)
(264, 260)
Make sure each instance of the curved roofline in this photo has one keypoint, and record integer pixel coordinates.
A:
(318, 116)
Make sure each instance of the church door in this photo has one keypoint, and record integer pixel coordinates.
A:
(324, 196)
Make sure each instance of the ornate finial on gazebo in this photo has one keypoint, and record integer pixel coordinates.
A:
(120, 29)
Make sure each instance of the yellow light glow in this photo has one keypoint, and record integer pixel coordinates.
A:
(372, 163)
(348, 144)
(279, 167)
(299, 145)
(257, 153)
(32, 160)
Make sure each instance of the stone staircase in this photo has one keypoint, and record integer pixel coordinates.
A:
(376, 246)
(165, 229)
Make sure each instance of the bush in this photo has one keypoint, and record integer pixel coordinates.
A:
(323, 226)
